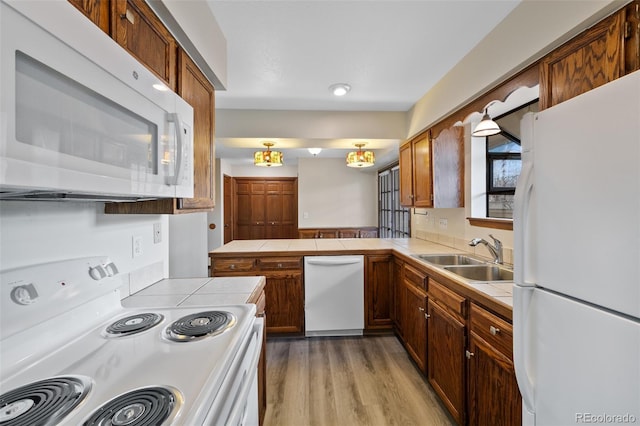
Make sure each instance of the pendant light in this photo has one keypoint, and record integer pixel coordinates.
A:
(361, 158)
(486, 127)
(267, 158)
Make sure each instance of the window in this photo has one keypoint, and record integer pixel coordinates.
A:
(504, 162)
(393, 219)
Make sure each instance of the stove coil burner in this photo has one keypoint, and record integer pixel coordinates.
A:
(140, 407)
(200, 325)
(44, 402)
(134, 324)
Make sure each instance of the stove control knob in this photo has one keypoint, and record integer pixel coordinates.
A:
(97, 272)
(24, 294)
(111, 269)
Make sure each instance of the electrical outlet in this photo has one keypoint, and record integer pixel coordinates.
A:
(443, 223)
(137, 246)
(157, 233)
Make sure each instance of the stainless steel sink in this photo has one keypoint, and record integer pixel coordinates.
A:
(449, 259)
(482, 272)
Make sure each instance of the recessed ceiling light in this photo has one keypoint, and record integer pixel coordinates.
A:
(340, 89)
(314, 151)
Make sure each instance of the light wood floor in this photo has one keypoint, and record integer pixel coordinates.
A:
(347, 381)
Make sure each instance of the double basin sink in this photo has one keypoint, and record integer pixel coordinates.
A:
(468, 267)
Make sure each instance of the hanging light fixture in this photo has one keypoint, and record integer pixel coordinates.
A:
(361, 158)
(486, 127)
(267, 158)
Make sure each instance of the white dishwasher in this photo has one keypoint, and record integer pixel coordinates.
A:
(334, 295)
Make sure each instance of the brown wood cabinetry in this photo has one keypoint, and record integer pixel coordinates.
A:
(360, 232)
(265, 208)
(432, 170)
(446, 348)
(589, 60)
(136, 28)
(378, 292)
(398, 296)
(97, 11)
(415, 315)
(493, 392)
(631, 34)
(284, 289)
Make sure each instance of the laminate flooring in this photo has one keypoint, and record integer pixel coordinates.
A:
(347, 381)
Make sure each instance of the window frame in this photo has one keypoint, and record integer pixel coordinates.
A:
(490, 157)
(394, 220)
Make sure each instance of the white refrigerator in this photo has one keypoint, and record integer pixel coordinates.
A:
(576, 312)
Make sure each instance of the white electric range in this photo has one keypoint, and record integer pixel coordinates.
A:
(70, 354)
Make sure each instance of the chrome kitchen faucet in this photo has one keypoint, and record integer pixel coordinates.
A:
(496, 249)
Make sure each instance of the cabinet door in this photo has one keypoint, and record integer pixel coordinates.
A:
(139, 31)
(285, 302)
(422, 172)
(415, 325)
(446, 346)
(194, 88)
(448, 168)
(494, 398)
(589, 60)
(406, 175)
(398, 296)
(378, 278)
(96, 10)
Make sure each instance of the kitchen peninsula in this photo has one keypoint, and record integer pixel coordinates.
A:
(457, 331)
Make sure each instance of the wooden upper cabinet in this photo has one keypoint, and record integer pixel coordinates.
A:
(194, 88)
(406, 175)
(97, 11)
(415, 172)
(422, 183)
(589, 60)
(432, 170)
(448, 168)
(136, 28)
(631, 33)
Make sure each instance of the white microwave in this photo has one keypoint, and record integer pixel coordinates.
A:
(80, 117)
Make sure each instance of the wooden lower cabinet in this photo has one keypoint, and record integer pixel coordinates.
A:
(398, 296)
(378, 292)
(494, 397)
(446, 355)
(415, 325)
(285, 302)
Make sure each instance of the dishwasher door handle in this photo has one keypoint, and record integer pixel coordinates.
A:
(332, 262)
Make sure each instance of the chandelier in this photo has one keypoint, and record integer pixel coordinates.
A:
(267, 158)
(361, 158)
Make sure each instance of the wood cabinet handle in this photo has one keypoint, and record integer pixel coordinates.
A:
(469, 354)
(493, 330)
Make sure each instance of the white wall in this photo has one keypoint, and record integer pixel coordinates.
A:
(35, 232)
(330, 194)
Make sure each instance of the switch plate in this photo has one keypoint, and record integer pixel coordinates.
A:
(305, 215)
(137, 246)
(157, 233)
(443, 223)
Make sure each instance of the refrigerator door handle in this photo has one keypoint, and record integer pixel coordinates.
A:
(521, 338)
(523, 204)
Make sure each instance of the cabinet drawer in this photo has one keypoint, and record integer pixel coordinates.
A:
(447, 299)
(495, 331)
(234, 265)
(277, 263)
(415, 277)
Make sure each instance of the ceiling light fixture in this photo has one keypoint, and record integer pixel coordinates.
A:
(339, 89)
(267, 158)
(486, 127)
(315, 151)
(361, 158)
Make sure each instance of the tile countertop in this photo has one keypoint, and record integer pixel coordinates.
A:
(498, 291)
(173, 292)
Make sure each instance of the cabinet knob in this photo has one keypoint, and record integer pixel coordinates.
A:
(420, 308)
(469, 354)
(427, 316)
(232, 266)
(493, 330)
(279, 265)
